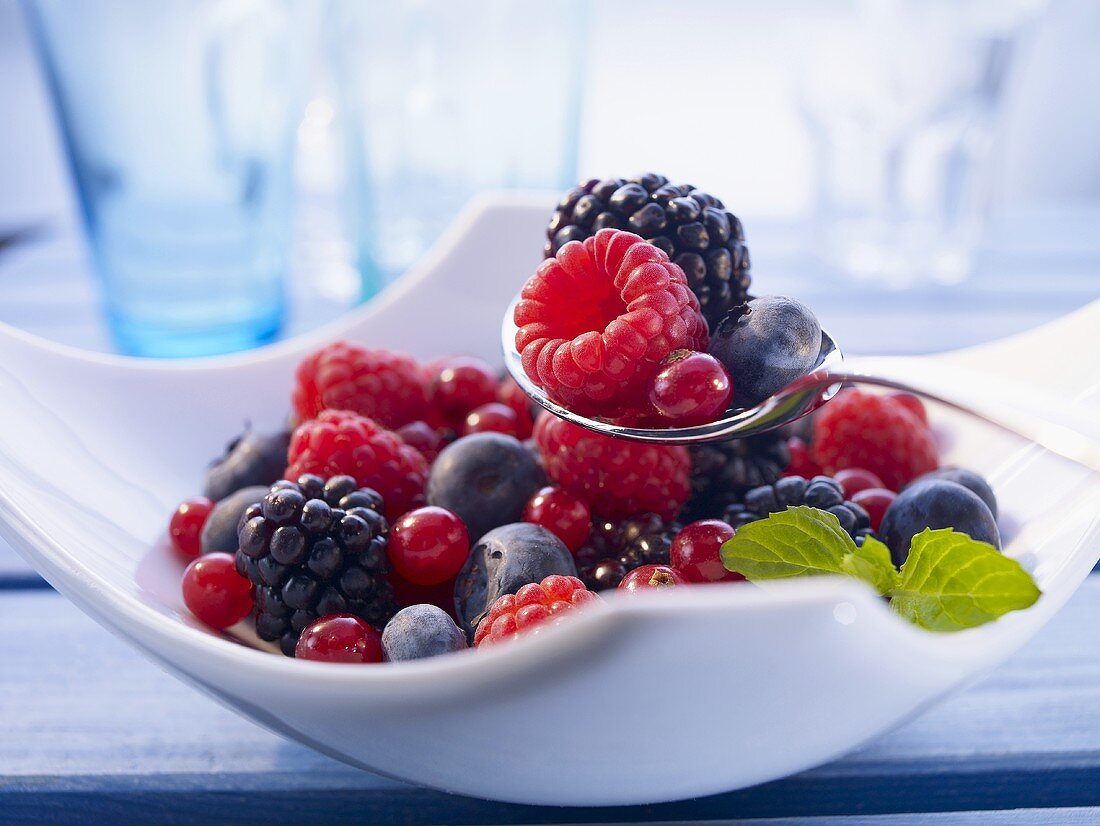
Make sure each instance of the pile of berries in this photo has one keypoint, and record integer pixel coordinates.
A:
(415, 509)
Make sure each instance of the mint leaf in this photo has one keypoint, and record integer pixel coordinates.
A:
(950, 582)
(871, 563)
(799, 541)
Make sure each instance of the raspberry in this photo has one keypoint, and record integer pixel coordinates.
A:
(531, 606)
(615, 477)
(802, 462)
(339, 442)
(385, 386)
(595, 322)
(876, 433)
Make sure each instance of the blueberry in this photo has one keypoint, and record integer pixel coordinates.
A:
(503, 561)
(936, 503)
(253, 459)
(421, 631)
(968, 479)
(485, 478)
(220, 531)
(765, 344)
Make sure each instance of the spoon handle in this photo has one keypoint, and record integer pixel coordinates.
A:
(1060, 425)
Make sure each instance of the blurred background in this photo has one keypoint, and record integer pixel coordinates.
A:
(189, 177)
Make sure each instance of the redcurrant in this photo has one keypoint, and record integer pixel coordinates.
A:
(185, 527)
(215, 593)
(690, 388)
(340, 638)
(696, 552)
(493, 417)
(428, 545)
(652, 576)
(875, 501)
(462, 384)
(561, 513)
(854, 479)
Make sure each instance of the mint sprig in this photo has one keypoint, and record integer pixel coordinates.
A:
(948, 582)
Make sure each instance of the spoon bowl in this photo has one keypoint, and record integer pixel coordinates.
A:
(800, 397)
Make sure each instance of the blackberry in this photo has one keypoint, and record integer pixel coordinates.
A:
(614, 549)
(694, 228)
(721, 472)
(314, 548)
(822, 492)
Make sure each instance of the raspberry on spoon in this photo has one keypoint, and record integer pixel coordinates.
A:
(596, 321)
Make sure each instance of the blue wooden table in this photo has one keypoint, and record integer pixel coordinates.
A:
(90, 732)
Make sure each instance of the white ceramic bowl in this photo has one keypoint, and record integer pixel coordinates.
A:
(659, 697)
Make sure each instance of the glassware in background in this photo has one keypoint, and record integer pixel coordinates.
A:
(178, 121)
(440, 100)
(902, 106)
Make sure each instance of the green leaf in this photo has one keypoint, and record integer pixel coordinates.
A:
(871, 563)
(799, 541)
(950, 582)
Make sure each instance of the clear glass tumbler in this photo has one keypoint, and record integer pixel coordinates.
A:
(903, 105)
(178, 119)
(443, 98)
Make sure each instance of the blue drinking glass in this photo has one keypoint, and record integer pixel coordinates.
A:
(178, 120)
(441, 99)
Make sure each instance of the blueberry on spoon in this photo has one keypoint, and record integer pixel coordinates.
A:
(765, 344)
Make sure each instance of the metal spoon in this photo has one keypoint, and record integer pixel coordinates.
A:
(1059, 425)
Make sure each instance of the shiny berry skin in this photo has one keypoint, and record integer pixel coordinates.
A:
(650, 577)
(493, 417)
(462, 384)
(696, 552)
(912, 403)
(340, 638)
(852, 480)
(690, 389)
(215, 593)
(533, 605)
(185, 527)
(802, 463)
(511, 394)
(424, 438)
(428, 545)
(561, 513)
(875, 501)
